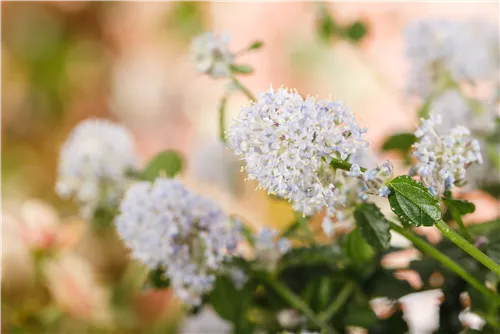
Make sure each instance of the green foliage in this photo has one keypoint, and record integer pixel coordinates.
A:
(358, 250)
(462, 206)
(373, 226)
(395, 324)
(168, 163)
(360, 314)
(232, 304)
(383, 284)
(492, 188)
(241, 69)
(425, 268)
(314, 255)
(187, 18)
(401, 142)
(356, 31)
(157, 279)
(412, 202)
(255, 45)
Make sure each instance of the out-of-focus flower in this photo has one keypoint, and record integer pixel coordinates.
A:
(268, 248)
(455, 109)
(443, 159)
(287, 143)
(442, 51)
(211, 163)
(471, 320)
(73, 285)
(166, 225)
(238, 276)
(40, 225)
(290, 318)
(93, 163)
(211, 55)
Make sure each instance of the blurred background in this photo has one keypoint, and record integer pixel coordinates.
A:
(63, 62)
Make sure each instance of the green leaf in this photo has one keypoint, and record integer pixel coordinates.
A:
(312, 256)
(373, 226)
(360, 314)
(493, 249)
(325, 25)
(241, 69)
(412, 202)
(462, 206)
(394, 324)
(401, 142)
(168, 163)
(357, 249)
(486, 228)
(158, 279)
(255, 45)
(356, 31)
(232, 304)
(425, 109)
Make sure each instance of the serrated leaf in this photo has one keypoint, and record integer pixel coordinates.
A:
(255, 45)
(401, 142)
(241, 69)
(412, 202)
(462, 206)
(167, 163)
(357, 249)
(373, 226)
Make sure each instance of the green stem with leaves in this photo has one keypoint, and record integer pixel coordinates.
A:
(298, 304)
(244, 89)
(445, 260)
(466, 246)
(458, 219)
(335, 306)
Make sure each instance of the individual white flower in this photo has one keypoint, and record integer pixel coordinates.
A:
(93, 162)
(290, 318)
(443, 159)
(211, 55)
(166, 225)
(269, 249)
(287, 143)
(442, 50)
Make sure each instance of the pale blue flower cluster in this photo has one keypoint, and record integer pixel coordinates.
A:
(442, 50)
(166, 225)
(211, 55)
(443, 159)
(287, 142)
(93, 162)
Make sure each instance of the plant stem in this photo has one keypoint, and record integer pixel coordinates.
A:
(341, 164)
(222, 118)
(458, 219)
(468, 247)
(298, 304)
(445, 260)
(244, 89)
(338, 302)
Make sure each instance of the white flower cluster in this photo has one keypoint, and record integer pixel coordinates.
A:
(93, 162)
(443, 159)
(166, 225)
(211, 55)
(287, 143)
(442, 50)
(269, 249)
